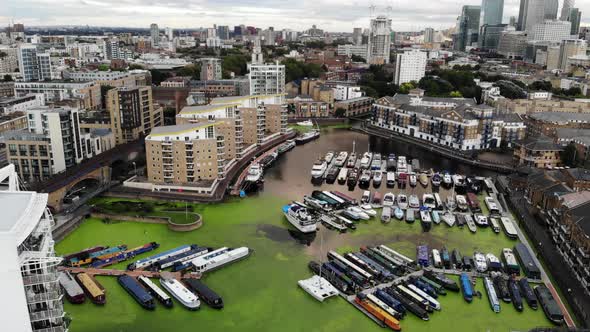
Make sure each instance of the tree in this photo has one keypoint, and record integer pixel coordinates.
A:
(510, 90)
(7, 78)
(541, 85)
(456, 94)
(236, 63)
(135, 66)
(340, 112)
(193, 71)
(569, 155)
(159, 76)
(103, 67)
(297, 70)
(357, 58)
(406, 87)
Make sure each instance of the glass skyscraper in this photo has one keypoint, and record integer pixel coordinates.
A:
(491, 12)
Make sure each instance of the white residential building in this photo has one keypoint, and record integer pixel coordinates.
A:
(155, 34)
(410, 66)
(27, 62)
(345, 92)
(350, 50)
(551, 30)
(21, 104)
(9, 61)
(429, 35)
(265, 79)
(29, 274)
(379, 41)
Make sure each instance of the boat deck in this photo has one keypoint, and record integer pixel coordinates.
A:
(136, 273)
(240, 180)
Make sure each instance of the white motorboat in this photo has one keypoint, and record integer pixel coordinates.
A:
(377, 177)
(461, 203)
(368, 209)
(425, 216)
(481, 220)
(342, 175)
(181, 293)
(365, 178)
(388, 199)
(398, 213)
(318, 287)
(410, 216)
(414, 202)
(435, 217)
(423, 179)
(413, 179)
(358, 212)
(318, 169)
(366, 198)
(429, 201)
(366, 160)
(254, 173)
(351, 160)
(451, 205)
(447, 180)
(376, 162)
(459, 181)
(307, 123)
(436, 179)
(480, 262)
(329, 157)
(402, 201)
(470, 223)
(449, 218)
(386, 214)
(402, 164)
(300, 218)
(341, 159)
(390, 179)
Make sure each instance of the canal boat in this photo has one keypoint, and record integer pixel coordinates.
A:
(391, 163)
(333, 277)
(386, 214)
(390, 179)
(92, 288)
(502, 290)
(390, 301)
(288, 145)
(345, 221)
(402, 201)
(205, 293)
(269, 159)
(495, 225)
(441, 279)
(388, 199)
(408, 261)
(470, 223)
(151, 260)
(341, 159)
(123, 255)
(219, 258)
(398, 213)
(473, 203)
(431, 300)
(366, 160)
(466, 287)
(74, 293)
(414, 202)
(447, 180)
(96, 255)
(435, 285)
(329, 157)
(509, 228)
(492, 206)
(492, 297)
(383, 273)
(424, 286)
(425, 219)
(493, 262)
(436, 260)
(467, 263)
(413, 179)
(377, 178)
(353, 177)
(527, 292)
(363, 264)
(423, 179)
(480, 262)
(381, 304)
(195, 251)
(339, 201)
(450, 203)
(527, 262)
(365, 178)
(412, 296)
(351, 160)
(408, 304)
(449, 218)
(307, 137)
(399, 263)
(422, 256)
(402, 179)
(358, 279)
(350, 265)
(84, 253)
(436, 180)
(461, 203)
(136, 290)
(332, 223)
(380, 314)
(300, 218)
(318, 169)
(342, 175)
(549, 305)
(435, 217)
(515, 294)
(156, 291)
(382, 260)
(457, 259)
(180, 292)
(429, 201)
(410, 216)
(446, 258)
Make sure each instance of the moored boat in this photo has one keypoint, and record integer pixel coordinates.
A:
(318, 169)
(341, 159)
(549, 305)
(204, 293)
(435, 217)
(470, 223)
(398, 213)
(402, 201)
(425, 220)
(515, 294)
(423, 179)
(300, 218)
(352, 178)
(74, 293)
(388, 199)
(351, 160)
(92, 288)
(436, 179)
(381, 315)
(410, 216)
(449, 218)
(136, 290)
(466, 287)
(180, 292)
(492, 297)
(307, 137)
(342, 175)
(156, 291)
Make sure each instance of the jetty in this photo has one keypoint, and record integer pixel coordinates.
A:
(135, 273)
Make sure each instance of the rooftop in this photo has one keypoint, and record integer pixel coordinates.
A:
(580, 174)
(206, 108)
(565, 117)
(540, 144)
(21, 212)
(22, 135)
(179, 129)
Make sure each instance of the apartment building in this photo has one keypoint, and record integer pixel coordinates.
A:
(456, 123)
(6, 89)
(312, 109)
(54, 91)
(265, 78)
(546, 123)
(539, 152)
(379, 41)
(410, 66)
(132, 113)
(349, 50)
(21, 104)
(210, 69)
(344, 92)
(14, 121)
(355, 106)
(526, 106)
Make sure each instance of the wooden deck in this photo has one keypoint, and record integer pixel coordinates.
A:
(135, 273)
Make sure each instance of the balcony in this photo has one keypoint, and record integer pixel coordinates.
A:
(46, 314)
(44, 297)
(166, 142)
(52, 329)
(40, 279)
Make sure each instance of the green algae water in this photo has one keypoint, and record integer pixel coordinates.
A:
(261, 293)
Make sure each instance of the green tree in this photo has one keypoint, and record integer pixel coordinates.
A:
(193, 71)
(541, 85)
(357, 58)
(7, 78)
(569, 155)
(103, 67)
(235, 63)
(159, 76)
(135, 66)
(456, 94)
(297, 70)
(406, 87)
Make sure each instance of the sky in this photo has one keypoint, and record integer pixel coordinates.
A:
(330, 15)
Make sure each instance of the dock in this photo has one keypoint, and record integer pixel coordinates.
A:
(135, 273)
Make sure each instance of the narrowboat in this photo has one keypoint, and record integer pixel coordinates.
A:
(354, 280)
(549, 305)
(377, 258)
(494, 302)
(436, 286)
(528, 264)
(422, 256)
(515, 294)
(148, 261)
(431, 301)
(124, 255)
(180, 292)
(510, 264)
(441, 279)
(446, 258)
(436, 260)
(350, 265)
(527, 292)
(73, 291)
(83, 253)
(377, 301)
(356, 259)
(424, 286)
(457, 259)
(345, 197)
(390, 301)
(399, 264)
(219, 258)
(410, 305)
(467, 263)
(205, 293)
(335, 278)
(396, 254)
(380, 314)
(353, 177)
(495, 224)
(466, 287)
(156, 291)
(412, 296)
(92, 288)
(509, 228)
(134, 288)
(502, 288)
(316, 203)
(410, 216)
(97, 255)
(332, 174)
(473, 203)
(384, 273)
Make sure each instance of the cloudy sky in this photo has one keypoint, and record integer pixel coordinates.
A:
(330, 15)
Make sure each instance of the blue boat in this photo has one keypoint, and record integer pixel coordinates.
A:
(422, 256)
(425, 287)
(125, 255)
(390, 301)
(135, 289)
(466, 287)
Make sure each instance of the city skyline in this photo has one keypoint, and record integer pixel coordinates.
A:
(330, 15)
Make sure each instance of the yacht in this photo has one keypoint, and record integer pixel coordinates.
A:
(342, 175)
(180, 292)
(425, 220)
(423, 179)
(410, 217)
(461, 202)
(390, 179)
(329, 157)
(398, 213)
(299, 217)
(368, 209)
(435, 217)
(470, 223)
(402, 201)
(413, 179)
(307, 137)
(254, 174)
(351, 160)
(341, 159)
(357, 211)
(480, 262)
(366, 160)
(318, 287)
(353, 177)
(377, 177)
(429, 201)
(449, 218)
(389, 199)
(447, 180)
(414, 202)
(481, 220)
(402, 164)
(451, 203)
(436, 180)
(459, 182)
(391, 163)
(365, 178)
(318, 169)
(366, 198)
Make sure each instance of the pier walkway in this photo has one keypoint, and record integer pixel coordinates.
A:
(135, 273)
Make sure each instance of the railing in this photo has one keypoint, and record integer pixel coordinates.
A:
(39, 279)
(43, 297)
(52, 329)
(46, 314)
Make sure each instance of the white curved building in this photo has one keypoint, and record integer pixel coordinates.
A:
(29, 276)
